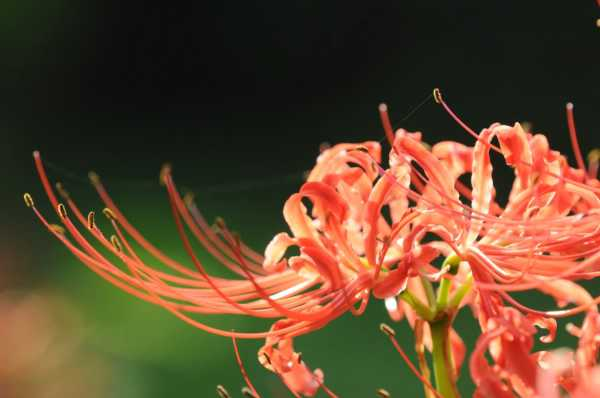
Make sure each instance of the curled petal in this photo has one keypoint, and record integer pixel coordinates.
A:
(455, 156)
(278, 356)
(565, 292)
(380, 194)
(336, 159)
(481, 181)
(487, 380)
(393, 284)
(275, 251)
(325, 198)
(546, 323)
(326, 265)
(515, 148)
(435, 170)
(295, 215)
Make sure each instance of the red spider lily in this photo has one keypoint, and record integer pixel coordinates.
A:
(548, 231)
(361, 229)
(542, 374)
(342, 256)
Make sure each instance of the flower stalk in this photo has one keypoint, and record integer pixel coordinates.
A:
(442, 358)
(440, 326)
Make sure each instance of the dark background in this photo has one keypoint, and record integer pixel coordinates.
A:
(239, 96)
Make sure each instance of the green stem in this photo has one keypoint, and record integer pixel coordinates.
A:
(460, 293)
(420, 308)
(452, 261)
(428, 291)
(442, 358)
(443, 292)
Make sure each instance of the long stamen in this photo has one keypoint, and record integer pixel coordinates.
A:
(100, 267)
(387, 125)
(391, 333)
(243, 369)
(314, 316)
(573, 135)
(327, 391)
(498, 150)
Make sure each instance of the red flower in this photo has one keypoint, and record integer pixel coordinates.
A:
(362, 229)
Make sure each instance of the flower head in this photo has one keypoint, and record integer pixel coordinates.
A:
(363, 227)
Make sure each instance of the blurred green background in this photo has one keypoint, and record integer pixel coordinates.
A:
(238, 97)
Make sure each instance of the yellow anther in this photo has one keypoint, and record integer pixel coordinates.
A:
(116, 244)
(387, 330)
(594, 156)
(383, 393)
(57, 228)
(222, 392)
(437, 95)
(28, 200)
(62, 210)
(94, 178)
(164, 172)
(91, 220)
(247, 392)
(108, 213)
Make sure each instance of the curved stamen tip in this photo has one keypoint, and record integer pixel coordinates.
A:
(383, 107)
(91, 220)
(165, 170)
(222, 392)
(62, 210)
(569, 106)
(383, 393)
(108, 213)
(94, 178)
(437, 95)
(115, 242)
(387, 330)
(247, 392)
(28, 200)
(36, 154)
(62, 191)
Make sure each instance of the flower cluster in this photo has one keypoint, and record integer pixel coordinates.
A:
(410, 231)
